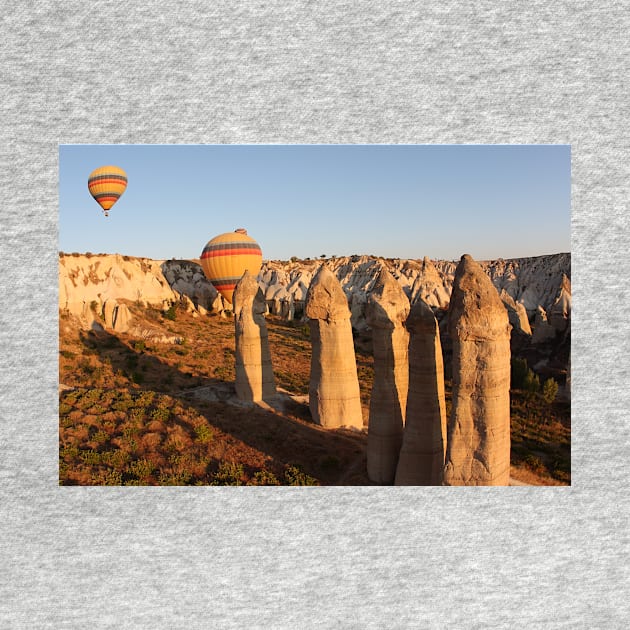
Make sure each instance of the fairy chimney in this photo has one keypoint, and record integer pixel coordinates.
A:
(334, 396)
(386, 311)
(478, 442)
(421, 460)
(254, 371)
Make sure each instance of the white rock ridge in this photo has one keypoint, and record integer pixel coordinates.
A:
(529, 282)
(87, 282)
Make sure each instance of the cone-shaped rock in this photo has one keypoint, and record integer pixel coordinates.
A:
(334, 396)
(254, 372)
(386, 311)
(429, 286)
(122, 319)
(421, 461)
(109, 312)
(517, 315)
(478, 443)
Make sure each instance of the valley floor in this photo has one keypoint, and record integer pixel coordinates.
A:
(140, 412)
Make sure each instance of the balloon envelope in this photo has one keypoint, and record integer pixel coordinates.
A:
(227, 257)
(106, 184)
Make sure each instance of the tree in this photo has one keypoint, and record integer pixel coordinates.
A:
(550, 390)
(519, 372)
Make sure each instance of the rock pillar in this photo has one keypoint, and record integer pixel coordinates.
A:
(421, 461)
(334, 396)
(478, 443)
(109, 312)
(386, 311)
(123, 318)
(254, 372)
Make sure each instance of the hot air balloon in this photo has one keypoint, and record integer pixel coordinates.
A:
(106, 184)
(227, 257)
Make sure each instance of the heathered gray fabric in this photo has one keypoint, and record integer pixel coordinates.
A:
(301, 72)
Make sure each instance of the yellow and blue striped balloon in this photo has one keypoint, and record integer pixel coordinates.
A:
(227, 257)
(106, 184)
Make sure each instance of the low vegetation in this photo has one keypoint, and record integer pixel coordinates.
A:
(135, 412)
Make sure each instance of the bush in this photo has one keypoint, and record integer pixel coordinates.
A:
(524, 378)
(549, 390)
(204, 434)
(295, 476)
(532, 383)
(141, 468)
(229, 474)
(171, 313)
(264, 478)
(519, 373)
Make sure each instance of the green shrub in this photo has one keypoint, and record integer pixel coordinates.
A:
(264, 478)
(108, 478)
(204, 434)
(229, 474)
(519, 372)
(295, 476)
(141, 468)
(100, 437)
(550, 390)
(116, 459)
(64, 409)
(90, 457)
(524, 378)
(532, 383)
(171, 313)
(535, 463)
(161, 414)
(175, 479)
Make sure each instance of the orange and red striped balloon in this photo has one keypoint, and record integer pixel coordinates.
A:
(227, 257)
(106, 184)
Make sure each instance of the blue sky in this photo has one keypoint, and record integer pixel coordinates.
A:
(405, 201)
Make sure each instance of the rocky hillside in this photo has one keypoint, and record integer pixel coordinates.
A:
(536, 291)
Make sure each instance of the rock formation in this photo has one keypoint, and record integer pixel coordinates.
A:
(109, 312)
(386, 311)
(421, 460)
(254, 372)
(334, 396)
(478, 442)
(560, 312)
(543, 330)
(429, 286)
(528, 281)
(86, 278)
(122, 321)
(517, 315)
